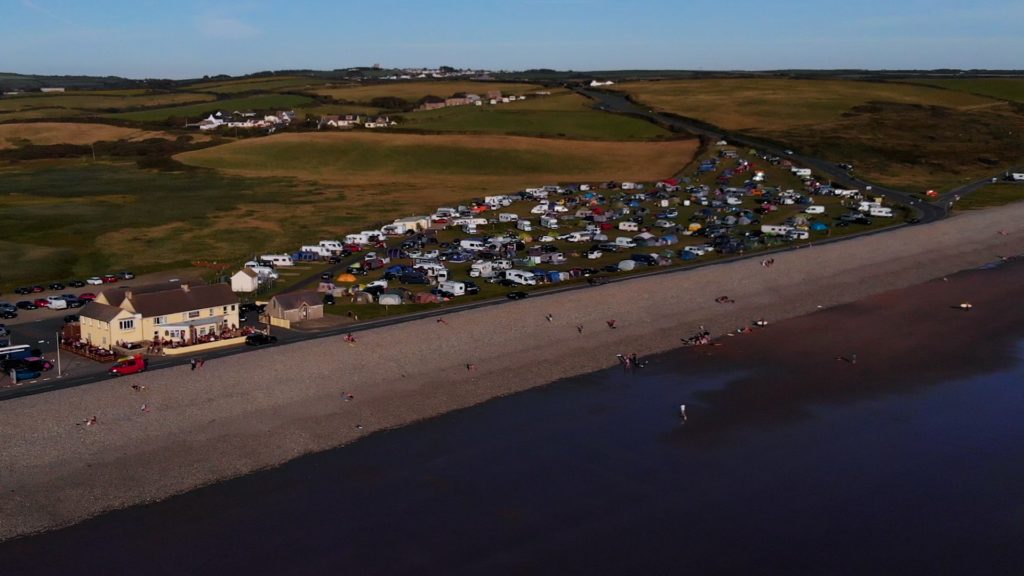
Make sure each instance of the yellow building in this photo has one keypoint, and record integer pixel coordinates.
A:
(177, 312)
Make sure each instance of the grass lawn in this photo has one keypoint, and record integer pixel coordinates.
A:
(566, 115)
(195, 111)
(992, 195)
(414, 90)
(1002, 88)
(902, 135)
(89, 103)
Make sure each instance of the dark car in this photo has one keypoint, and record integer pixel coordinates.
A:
(260, 339)
(32, 363)
(252, 307)
(413, 279)
(26, 305)
(325, 277)
(126, 275)
(71, 318)
(334, 260)
(4, 331)
(72, 301)
(76, 283)
(56, 286)
(597, 280)
(517, 295)
(329, 299)
(471, 287)
(610, 268)
(7, 314)
(22, 290)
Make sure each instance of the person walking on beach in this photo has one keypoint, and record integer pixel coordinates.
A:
(550, 317)
(579, 328)
(611, 324)
(192, 363)
(200, 362)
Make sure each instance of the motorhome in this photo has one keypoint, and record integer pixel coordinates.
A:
(481, 270)
(881, 211)
(472, 244)
(452, 287)
(508, 217)
(549, 222)
(815, 209)
(278, 259)
(521, 277)
(629, 226)
(524, 225)
(625, 242)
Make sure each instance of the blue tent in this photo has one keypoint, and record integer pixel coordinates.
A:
(819, 226)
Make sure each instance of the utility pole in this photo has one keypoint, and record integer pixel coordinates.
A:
(59, 372)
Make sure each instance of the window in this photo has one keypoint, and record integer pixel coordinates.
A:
(225, 309)
(128, 324)
(211, 311)
(193, 314)
(232, 307)
(160, 320)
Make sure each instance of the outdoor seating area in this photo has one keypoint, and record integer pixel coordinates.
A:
(158, 343)
(87, 350)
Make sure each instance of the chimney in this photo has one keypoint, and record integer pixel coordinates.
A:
(127, 293)
(184, 287)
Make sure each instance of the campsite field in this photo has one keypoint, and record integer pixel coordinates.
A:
(195, 111)
(563, 115)
(45, 133)
(414, 90)
(902, 135)
(398, 174)
(1003, 88)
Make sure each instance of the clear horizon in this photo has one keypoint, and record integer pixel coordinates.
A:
(195, 38)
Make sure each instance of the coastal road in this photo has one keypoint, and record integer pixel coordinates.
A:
(619, 103)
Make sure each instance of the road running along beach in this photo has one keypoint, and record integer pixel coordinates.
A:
(253, 411)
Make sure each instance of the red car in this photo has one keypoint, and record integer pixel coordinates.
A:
(109, 278)
(353, 247)
(129, 365)
(41, 303)
(89, 296)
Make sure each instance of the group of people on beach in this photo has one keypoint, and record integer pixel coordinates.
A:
(631, 361)
(767, 262)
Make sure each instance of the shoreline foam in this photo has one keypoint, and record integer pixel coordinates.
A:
(254, 411)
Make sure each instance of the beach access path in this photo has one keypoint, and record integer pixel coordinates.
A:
(235, 415)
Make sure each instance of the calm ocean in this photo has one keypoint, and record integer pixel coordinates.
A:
(599, 475)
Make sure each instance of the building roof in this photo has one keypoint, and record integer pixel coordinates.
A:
(101, 312)
(248, 272)
(115, 295)
(294, 300)
(181, 299)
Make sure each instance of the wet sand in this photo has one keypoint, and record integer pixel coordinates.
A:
(248, 412)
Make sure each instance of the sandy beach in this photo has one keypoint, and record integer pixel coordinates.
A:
(257, 410)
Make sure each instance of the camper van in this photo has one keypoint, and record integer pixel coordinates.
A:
(774, 230)
(629, 226)
(452, 287)
(508, 217)
(481, 270)
(802, 172)
(333, 245)
(278, 259)
(472, 244)
(815, 209)
(881, 211)
(521, 277)
(625, 242)
(265, 272)
(524, 225)
(628, 186)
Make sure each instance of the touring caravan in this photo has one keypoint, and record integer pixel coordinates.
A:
(773, 230)
(881, 211)
(815, 209)
(278, 259)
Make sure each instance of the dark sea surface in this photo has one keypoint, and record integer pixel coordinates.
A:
(599, 475)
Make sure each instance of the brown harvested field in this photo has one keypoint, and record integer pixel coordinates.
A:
(382, 175)
(45, 133)
(903, 135)
(413, 91)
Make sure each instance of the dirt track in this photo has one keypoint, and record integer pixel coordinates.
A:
(251, 411)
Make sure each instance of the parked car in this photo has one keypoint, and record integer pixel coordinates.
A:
(329, 299)
(260, 339)
(471, 287)
(109, 278)
(252, 307)
(126, 275)
(597, 280)
(72, 300)
(8, 314)
(129, 365)
(4, 331)
(37, 288)
(23, 290)
(87, 297)
(41, 302)
(76, 283)
(94, 280)
(517, 295)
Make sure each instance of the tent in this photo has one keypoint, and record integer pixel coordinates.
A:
(424, 298)
(388, 299)
(627, 265)
(743, 221)
(362, 298)
(346, 277)
(819, 226)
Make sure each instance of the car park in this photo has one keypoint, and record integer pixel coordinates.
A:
(260, 339)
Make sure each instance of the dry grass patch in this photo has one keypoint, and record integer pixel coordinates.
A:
(413, 91)
(46, 133)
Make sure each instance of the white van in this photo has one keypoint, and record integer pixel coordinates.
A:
(472, 244)
(521, 277)
(278, 259)
(452, 287)
(629, 226)
(881, 211)
(524, 225)
(508, 217)
(549, 222)
(625, 242)
(628, 186)
(814, 209)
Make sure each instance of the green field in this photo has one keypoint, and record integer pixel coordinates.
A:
(992, 195)
(1003, 88)
(194, 112)
(566, 115)
(89, 103)
(266, 84)
(414, 90)
(902, 135)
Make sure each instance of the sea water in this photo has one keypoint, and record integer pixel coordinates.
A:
(600, 475)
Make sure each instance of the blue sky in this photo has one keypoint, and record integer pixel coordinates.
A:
(189, 38)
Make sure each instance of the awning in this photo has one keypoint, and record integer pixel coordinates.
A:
(208, 321)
